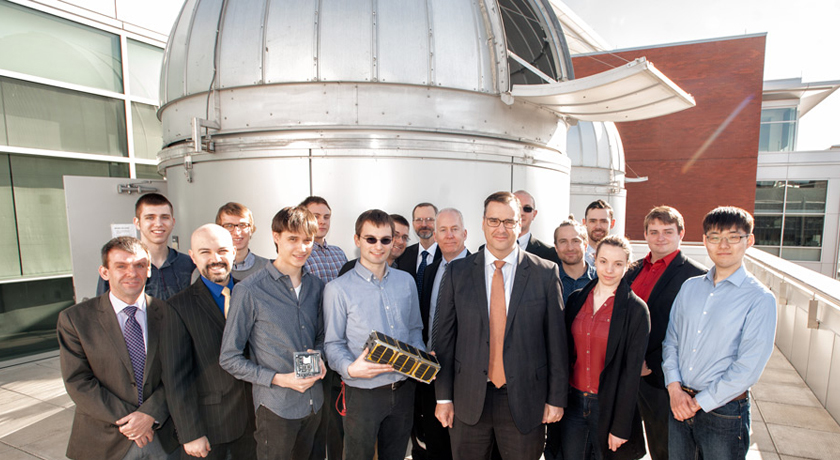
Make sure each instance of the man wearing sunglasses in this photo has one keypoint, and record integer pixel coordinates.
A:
(501, 343)
(719, 338)
(373, 296)
(526, 240)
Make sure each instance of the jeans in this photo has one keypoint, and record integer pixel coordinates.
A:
(285, 439)
(579, 427)
(378, 418)
(722, 434)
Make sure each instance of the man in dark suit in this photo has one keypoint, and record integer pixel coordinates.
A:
(450, 236)
(413, 260)
(501, 342)
(110, 362)
(216, 417)
(657, 279)
(526, 240)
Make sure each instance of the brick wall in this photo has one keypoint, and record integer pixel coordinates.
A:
(702, 157)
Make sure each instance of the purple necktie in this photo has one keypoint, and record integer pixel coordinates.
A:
(136, 349)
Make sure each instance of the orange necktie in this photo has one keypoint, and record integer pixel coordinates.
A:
(498, 318)
(226, 295)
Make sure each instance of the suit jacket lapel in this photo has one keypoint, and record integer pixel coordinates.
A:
(154, 322)
(617, 320)
(480, 288)
(204, 301)
(111, 327)
(520, 280)
(669, 273)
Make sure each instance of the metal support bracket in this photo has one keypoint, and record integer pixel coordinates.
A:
(813, 307)
(199, 142)
(135, 188)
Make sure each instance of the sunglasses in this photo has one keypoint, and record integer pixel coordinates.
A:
(372, 240)
(527, 209)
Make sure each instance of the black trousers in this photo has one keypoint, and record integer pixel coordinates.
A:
(427, 428)
(655, 409)
(378, 418)
(284, 439)
(332, 423)
(473, 442)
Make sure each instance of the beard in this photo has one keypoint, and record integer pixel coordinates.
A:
(425, 233)
(216, 278)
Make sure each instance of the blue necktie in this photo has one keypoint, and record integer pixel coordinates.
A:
(420, 271)
(136, 349)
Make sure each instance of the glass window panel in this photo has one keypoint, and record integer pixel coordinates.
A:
(10, 265)
(804, 254)
(40, 209)
(28, 314)
(803, 231)
(144, 62)
(768, 230)
(148, 172)
(776, 137)
(769, 196)
(148, 135)
(46, 117)
(808, 196)
(786, 114)
(526, 37)
(39, 44)
(774, 251)
(3, 139)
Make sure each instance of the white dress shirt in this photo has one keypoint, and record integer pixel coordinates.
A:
(430, 257)
(524, 240)
(140, 315)
(508, 272)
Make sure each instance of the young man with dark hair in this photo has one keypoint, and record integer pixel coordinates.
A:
(172, 271)
(599, 220)
(401, 239)
(325, 261)
(656, 279)
(219, 423)
(570, 241)
(501, 343)
(110, 352)
(373, 296)
(719, 339)
(239, 221)
(420, 255)
(274, 313)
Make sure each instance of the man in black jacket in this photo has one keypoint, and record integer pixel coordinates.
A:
(216, 416)
(526, 240)
(657, 279)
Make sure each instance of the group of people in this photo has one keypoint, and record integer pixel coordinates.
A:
(560, 350)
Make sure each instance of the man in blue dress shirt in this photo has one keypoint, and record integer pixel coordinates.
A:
(373, 296)
(719, 339)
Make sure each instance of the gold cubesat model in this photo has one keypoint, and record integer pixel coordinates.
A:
(405, 359)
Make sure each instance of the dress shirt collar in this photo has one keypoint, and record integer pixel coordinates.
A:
(736, 278)
(247, 262)
(511, 258)
(666, 260)
(366, 274)
(524, 240)
(216, 290)
(119, 305)
(322, 246)
(432, 249)
(460, 255)
(277, 274)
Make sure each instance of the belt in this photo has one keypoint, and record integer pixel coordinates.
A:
(692, 392)
(393, 386)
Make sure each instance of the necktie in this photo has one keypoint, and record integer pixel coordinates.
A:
(436, 315)
(226, 295)
(420, 271)
(498, 318)
(136, 348)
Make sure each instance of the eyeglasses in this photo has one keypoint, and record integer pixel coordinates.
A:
(241, 226)
(528, 209)
(493, 222)
(372, 240)
(732, 238)
(404, 238)
(427, 220)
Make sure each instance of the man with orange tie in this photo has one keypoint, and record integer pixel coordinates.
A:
(501, 343)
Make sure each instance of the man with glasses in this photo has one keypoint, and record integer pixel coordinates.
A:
(239, 221)
(657, 279)
(526, 240)
(420, 255)
(373, 296)
(325, 261)
(719, 339)
(501, 343)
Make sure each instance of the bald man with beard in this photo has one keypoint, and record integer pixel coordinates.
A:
(216, 418)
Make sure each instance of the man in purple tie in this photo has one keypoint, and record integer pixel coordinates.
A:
(110, 362)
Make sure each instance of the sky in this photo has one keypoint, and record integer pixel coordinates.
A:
(802, 40)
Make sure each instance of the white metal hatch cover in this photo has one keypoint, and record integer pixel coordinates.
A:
(634, 91)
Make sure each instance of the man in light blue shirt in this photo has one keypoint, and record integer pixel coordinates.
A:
(720, 337)
(372, 296)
